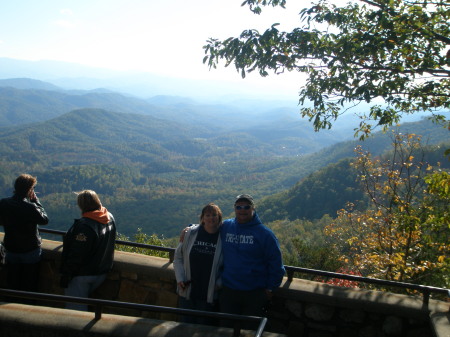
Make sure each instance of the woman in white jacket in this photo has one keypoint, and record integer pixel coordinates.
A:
(198, 263)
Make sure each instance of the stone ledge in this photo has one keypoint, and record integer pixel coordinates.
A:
(38, 321)
(372, 300)
(440, 322)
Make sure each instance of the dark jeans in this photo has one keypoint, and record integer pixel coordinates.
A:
(193, 304)
(242, 302)
(23, 276)
(23, 273)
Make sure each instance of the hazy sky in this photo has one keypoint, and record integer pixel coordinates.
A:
(158, 36)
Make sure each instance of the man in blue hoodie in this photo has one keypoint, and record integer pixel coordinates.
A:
(252, 263)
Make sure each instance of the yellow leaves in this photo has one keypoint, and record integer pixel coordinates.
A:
(439, 184)
(399, 238)
(381, 244)
(409, 161)
(351, 240)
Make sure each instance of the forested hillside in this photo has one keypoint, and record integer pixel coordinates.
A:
(139, 164)
(26, 101)
(329, 189)
(156, 174)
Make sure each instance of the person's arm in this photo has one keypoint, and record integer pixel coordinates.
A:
(180, 255)
(275, 264)
(178, 265)
(219, 272)
(76, 251)
(37, 213)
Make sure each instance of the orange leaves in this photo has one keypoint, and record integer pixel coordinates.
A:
(345, 283)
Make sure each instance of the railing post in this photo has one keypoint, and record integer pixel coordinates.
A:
(426, 298)
(237, 329)
(98, 312)
(290, 274)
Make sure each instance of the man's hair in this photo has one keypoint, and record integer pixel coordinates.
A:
(23, 184)
(88, 201)
(213, 208)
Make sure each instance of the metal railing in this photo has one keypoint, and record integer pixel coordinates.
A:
(425, 290)
(290, 270)
(169, 250)
(99, 305)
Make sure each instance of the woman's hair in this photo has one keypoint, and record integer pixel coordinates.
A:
(213, 208)
(23, 184)
(88, 201)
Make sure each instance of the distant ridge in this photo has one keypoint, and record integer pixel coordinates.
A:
(69, 75)
(280, 130)
(28, 83)
(170, 100)
(40, 102)
(92, 136)
(46, 70)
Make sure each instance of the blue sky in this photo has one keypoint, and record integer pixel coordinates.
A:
(156, 36)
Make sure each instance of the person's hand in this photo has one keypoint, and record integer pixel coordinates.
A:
(184, 285)
(183, 233)
(269, 294)
(32, 195)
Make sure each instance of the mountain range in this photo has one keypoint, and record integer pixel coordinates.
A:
(156, 161)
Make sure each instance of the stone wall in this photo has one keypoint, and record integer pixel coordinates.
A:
(135, 278)
(312, 309)
(299, 308)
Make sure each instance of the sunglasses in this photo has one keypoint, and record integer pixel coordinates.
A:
(242, 207)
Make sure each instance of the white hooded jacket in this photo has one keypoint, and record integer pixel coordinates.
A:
(182, 267)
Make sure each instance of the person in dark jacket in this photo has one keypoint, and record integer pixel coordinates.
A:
(20, 216)
(88, 249)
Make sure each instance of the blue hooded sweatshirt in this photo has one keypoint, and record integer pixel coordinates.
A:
(251, 256)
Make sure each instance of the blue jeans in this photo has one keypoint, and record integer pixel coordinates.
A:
(82, 286)
(31, 257)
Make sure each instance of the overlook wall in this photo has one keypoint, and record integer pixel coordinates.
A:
(300, 308)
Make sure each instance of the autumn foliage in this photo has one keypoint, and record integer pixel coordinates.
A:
(404, 234)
